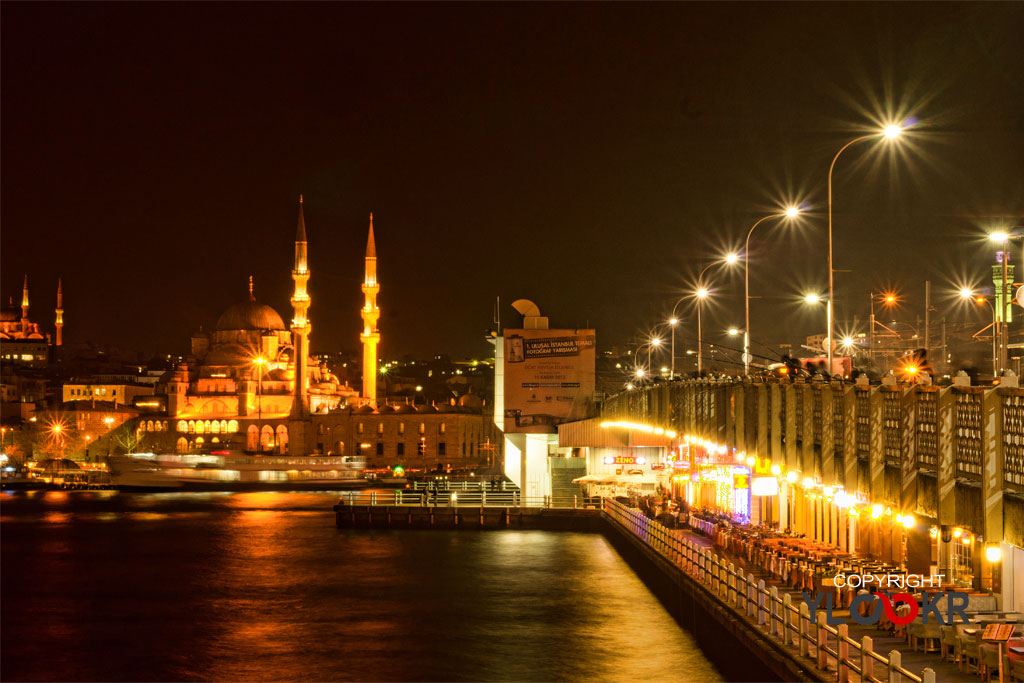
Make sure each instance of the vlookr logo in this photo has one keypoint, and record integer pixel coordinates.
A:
(932, 604)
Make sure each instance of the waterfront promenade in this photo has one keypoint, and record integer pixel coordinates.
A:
(882, 640)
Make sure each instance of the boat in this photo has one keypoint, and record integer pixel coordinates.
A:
(226, 471)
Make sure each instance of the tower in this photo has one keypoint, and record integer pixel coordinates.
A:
(370, 313)
(59, 322)
(300, 324)
(24, 307)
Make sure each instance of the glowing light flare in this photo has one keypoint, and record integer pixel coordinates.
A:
(791, 477)
(1000, 237)
(732, 258)
(892, 131)
(673, 321)
(876, 511)
(812, 298)
(993, 554)
(733, 331)
(792, 212)
(908, 521)
(701, 293)
(966, 293)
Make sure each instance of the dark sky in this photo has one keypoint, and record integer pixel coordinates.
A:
(588, 157)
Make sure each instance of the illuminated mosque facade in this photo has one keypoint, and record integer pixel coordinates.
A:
(250, 383)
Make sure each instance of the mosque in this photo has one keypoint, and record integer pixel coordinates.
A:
(250, 383)
(23, 342)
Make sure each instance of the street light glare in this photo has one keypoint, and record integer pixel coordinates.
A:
(812, 298)
(1001, 237)
(701, 293)
(673, 321)
(639, 372)
(792, 211)
(733, 331)
(732, 258)
(656, 342)
(966, 293)
(892, 131)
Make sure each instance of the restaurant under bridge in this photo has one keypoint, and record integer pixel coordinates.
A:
(928, 478)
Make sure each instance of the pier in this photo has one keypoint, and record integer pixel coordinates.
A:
(732, 607)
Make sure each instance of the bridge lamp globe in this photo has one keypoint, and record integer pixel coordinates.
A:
(812, 298)
(993, 553)
(732, 258)
(792, 212)
(892, 131)
(966, 293)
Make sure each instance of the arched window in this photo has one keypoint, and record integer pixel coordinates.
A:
(233, 426)
(380, 427)
(182, 444)
(266, 438)
(182, 426)
(199, 427)
(423, 428)
(252, 438)
(341, 448)
(443, 427)
(149, 426)
(199, 441)
(215, 427)
(282, 439)
(224, 426)
(320, 428)
(191, 427)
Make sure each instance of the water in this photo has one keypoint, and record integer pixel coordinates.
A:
(262, 586)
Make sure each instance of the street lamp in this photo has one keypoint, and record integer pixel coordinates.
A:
(728, 259)
(260, 361)
(791, 212)
(672, 322)
(969, 295)
(701, 294)
(108, 421)
(890, 132)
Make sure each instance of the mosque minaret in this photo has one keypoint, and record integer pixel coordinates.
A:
(300, 323)
(370, 313)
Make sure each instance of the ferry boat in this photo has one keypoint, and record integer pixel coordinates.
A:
(227, 471)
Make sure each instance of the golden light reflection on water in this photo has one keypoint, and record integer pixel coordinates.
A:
(258, 587)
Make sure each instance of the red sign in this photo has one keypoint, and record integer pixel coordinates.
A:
(624, 460)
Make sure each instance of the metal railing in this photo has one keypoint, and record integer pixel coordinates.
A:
(774, 614)
(464, 498)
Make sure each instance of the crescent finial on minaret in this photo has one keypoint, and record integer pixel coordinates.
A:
(252, 297)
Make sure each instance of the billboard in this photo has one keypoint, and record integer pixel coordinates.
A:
(548, 378)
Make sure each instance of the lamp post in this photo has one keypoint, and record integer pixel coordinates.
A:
(701, 294)
(968, 294)
(260, 361)
(815, 299)
(729, 259)
(672, 322)
(108, 421)
(890, 132)
(791, 212)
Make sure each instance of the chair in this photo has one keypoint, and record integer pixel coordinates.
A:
(969, 650)
(930, 635)
(1015, 669)
(989, 660)
(947, 643)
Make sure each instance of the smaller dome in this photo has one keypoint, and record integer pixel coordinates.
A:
(10, 314)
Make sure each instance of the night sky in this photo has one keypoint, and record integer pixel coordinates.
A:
(591, 158)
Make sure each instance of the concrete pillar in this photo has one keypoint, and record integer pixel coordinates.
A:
(876, 457)
(908, 451)
(789, 419)
(807, 450)
(946, 474)
(829, 475)
(849, 437)
(992, 466)
(734, 437)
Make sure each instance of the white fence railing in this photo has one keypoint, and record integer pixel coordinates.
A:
(777, 616)
(464, 498)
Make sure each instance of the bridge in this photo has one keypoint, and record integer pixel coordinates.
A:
(924, 476)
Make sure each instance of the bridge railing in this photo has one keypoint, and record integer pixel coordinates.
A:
(790, 624)
(464, 498)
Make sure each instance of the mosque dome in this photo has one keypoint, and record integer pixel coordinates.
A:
(250, 315)
(10, 314)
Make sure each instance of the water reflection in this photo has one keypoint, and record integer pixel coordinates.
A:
(263, 587)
